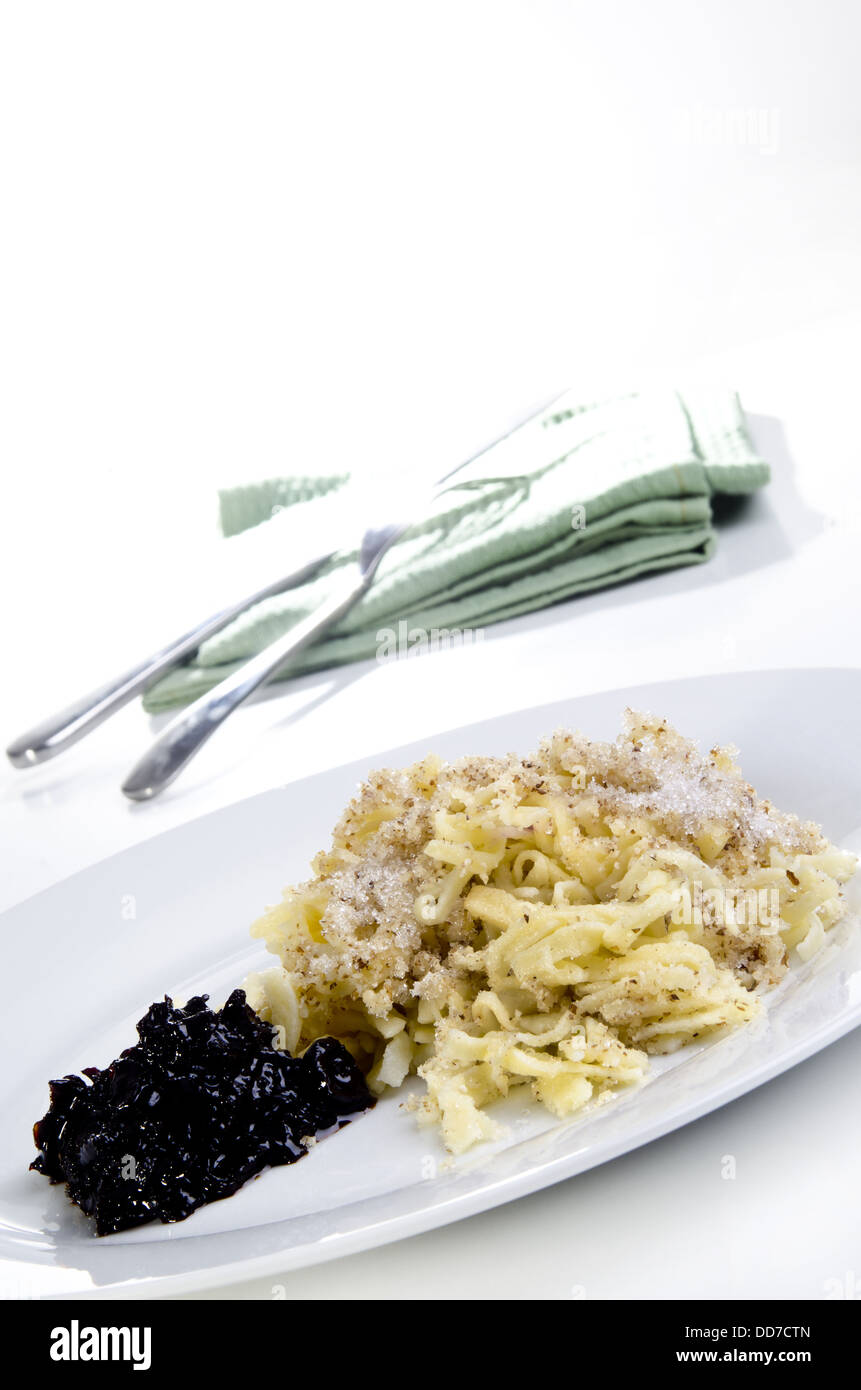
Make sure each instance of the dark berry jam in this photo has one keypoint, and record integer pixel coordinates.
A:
(200, 1105)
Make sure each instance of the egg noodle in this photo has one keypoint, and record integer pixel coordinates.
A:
(545, 921)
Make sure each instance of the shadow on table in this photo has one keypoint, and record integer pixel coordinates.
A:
(753, 532)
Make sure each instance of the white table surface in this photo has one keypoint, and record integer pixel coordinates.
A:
(139, 374)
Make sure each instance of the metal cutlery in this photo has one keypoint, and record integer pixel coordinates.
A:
(186, 734)
(52, 735)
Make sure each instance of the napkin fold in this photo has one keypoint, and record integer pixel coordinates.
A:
(582, 496)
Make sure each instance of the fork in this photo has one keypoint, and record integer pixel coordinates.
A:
(187, 734)
(58, 732)
(189, 731)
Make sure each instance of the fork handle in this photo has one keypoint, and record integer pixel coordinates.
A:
(48, 738)
(186, 735)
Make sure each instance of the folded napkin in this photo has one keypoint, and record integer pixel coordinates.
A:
(581, 497)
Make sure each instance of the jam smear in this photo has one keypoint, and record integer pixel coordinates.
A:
(199, 1105)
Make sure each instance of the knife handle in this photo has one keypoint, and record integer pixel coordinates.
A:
(48, 738)
(187, 733)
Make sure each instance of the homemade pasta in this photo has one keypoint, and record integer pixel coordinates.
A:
(545, 921)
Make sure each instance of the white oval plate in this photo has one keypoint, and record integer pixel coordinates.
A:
(85, 958)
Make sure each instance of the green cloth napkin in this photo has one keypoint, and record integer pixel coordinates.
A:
(581, 497)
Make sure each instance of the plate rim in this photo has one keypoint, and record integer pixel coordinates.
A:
(485, 1199)
(494, 1193)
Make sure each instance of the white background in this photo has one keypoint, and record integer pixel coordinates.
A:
(244, 239)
